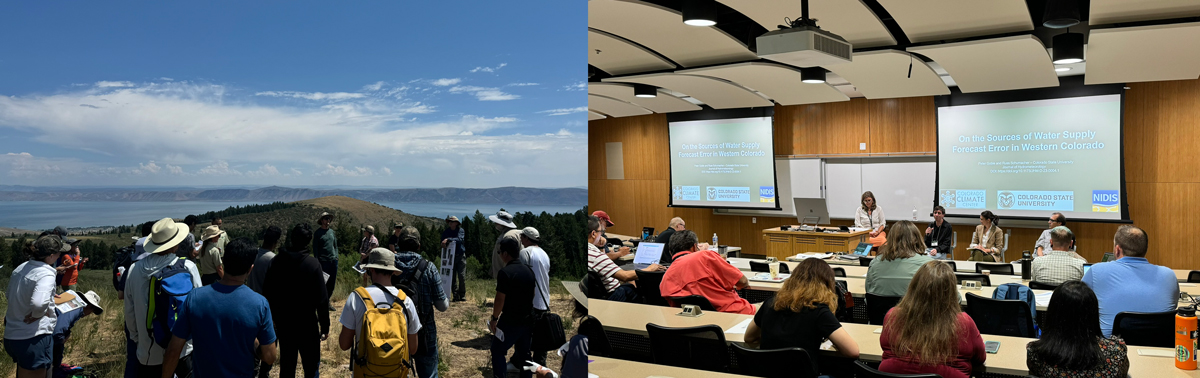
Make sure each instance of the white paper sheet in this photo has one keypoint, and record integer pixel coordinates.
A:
(1156, 353)
(740, 327)
(1043, 299)
(827, 345)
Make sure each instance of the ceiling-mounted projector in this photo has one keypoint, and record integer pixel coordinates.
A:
(804, 46)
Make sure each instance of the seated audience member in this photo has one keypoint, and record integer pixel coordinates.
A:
(704, 273)
(801, 313)
(1059, 264)
(927, 332)
(1071, 344)
(939, 236)
(1131, 283)
(898, 261)
(617, 283)
(664, 237)
(614, 251)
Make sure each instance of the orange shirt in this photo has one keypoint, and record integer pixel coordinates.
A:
(706, 274)
(70, 275)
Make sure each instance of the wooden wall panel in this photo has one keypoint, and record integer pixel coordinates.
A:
(1162, 187)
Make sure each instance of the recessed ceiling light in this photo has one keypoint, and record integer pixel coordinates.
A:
(700, 12)
(1062, 69)
(812, 75)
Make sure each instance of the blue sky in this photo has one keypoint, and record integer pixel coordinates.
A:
(383, 93)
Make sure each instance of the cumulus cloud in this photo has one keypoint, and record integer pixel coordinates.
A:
(373, 87)
(220, 168)
(315, 96)
(332, 170)
(564, 111)
(446, 82)
(174, 169)
(485, 93)
(489, 69)
(266, 170)
(150, 167)
(386, 171)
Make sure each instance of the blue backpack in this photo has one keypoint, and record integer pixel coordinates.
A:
(1019, 292)
(169, 288)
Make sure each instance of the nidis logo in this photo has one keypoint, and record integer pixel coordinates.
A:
(1106, 201)
(766, 194)
(1006, 200)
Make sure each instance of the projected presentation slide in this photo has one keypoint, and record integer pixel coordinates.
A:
(1032, 158)
(726, 163)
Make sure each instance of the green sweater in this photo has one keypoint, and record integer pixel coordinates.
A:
(890, 278)
(325, 245)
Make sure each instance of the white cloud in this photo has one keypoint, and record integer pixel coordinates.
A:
(580, 86)
(201, 132)
(315, 96)
(446, 82)
(220, 168)
(522, 84)
(373, 87)
(485, 93)
(266, 170)
(113, 84)
(564, 132)
(166, 79)
(386, 171)
(331, 170)
(150, 167)
(489, 69)
(565, 111)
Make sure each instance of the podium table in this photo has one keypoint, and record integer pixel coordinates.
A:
(782, 244)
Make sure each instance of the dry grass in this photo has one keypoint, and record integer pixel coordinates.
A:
(98, 343)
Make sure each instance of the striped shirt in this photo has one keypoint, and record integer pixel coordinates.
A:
(600, 263)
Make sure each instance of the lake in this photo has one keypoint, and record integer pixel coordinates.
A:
(42, 215)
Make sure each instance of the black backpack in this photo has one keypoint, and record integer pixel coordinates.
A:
(122, 258)
(409, 281)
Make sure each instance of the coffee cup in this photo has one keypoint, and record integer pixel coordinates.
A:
(774, 267)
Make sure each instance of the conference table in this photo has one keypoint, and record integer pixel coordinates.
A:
(729, 250)
(852, 266)
(610, 367)
(626, 325)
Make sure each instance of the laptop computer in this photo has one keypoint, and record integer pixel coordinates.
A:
(647, 254)
(647, 233)
(1107, 257)
(811, 211)
(863, 249)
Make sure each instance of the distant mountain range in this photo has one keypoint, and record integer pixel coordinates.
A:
(505, 195)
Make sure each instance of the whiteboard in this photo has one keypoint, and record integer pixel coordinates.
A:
(899, 184)
(794, 178)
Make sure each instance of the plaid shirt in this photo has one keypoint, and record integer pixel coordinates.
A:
(1057, 267)
(429, 290)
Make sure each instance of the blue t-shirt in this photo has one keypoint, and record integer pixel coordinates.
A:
(1131, 284)
(62, 329)
(223, 322)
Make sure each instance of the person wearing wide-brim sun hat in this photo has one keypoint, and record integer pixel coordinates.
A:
(324, 248)
(454, 233)
(503, 222)
(166, 237)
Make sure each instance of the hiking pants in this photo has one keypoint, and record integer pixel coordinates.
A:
(309, 350)
(539, 356)
(330, 268)
(132, 365)
(515, 335)
(458, 286)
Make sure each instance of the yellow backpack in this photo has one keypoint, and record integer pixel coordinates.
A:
(382, 346)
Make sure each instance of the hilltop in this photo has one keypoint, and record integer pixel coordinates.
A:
(345, 209)
(506, 195)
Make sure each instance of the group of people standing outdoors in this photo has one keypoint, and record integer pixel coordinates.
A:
(209, 306)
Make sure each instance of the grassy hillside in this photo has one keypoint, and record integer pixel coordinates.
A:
(352, 212)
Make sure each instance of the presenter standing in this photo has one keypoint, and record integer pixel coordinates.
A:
(988, 240)
(870, 215)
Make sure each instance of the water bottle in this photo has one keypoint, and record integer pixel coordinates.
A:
(715, 244)
(914, 214)
(1185, 338)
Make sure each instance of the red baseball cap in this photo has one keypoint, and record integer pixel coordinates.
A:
(604, 216)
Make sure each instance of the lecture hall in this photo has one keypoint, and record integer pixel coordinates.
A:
(892, 188)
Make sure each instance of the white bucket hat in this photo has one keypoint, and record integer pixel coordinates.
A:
(503, 218)
(165, 234)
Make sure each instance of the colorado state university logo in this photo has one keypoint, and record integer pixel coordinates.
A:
(1006, 200)
(712, 193)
